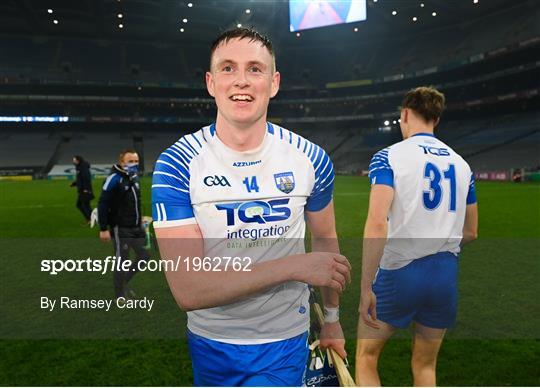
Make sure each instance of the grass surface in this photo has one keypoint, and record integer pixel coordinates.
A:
(496, 341)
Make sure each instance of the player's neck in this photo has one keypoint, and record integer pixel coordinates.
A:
(418, 129)
(241, 138)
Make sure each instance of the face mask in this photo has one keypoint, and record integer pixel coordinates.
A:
(132, 168)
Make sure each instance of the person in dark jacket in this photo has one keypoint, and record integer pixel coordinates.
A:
(83, 181)
(120, 218)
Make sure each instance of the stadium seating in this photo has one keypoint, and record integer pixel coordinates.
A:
(104, 61)
(27, 148)
(498, 143)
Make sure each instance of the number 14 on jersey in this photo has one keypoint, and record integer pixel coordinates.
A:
(251, 184)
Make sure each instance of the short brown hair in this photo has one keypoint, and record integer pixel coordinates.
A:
(242, 33)
(427, 101)
(124, 152)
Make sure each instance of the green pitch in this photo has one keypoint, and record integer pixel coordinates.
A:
(496, 341)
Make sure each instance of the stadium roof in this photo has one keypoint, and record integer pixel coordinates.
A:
(198, 21)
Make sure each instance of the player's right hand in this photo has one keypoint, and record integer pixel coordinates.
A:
(332, 337)
(105, 236)
(325, 269)
(368, 308)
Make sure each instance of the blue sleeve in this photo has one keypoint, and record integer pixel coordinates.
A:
(323, 189)
(170, 187)
(380, 171)
(471, 196)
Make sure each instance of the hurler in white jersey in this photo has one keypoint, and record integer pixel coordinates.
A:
(422, 209)
(237, 195)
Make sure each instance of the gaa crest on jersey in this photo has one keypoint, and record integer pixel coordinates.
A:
(284, 181)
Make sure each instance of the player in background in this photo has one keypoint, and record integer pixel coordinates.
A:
(120, 218)
(228, 190)
(83, 182)
(422, 208)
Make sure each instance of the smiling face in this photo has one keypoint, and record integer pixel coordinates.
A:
(242, 79)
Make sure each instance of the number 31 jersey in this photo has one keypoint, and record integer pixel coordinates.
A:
(432, 187)
(247, 204)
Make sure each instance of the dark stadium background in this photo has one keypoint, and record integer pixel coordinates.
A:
(142, 86)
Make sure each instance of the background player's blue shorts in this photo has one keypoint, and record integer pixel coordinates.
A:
(424, 291)
(281, 363)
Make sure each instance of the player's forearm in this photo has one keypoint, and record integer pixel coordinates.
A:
(206, 289)
(331, 244)
(200, 289)
(470, 226)
(468, 237)
(375, 234)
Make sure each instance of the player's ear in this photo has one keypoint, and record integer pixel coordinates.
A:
(436, 122)
(276, 78)
(210, 83)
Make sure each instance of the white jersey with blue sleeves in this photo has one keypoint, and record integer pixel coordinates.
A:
(432, 187)
(247, 204)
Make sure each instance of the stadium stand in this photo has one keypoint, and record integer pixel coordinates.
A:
(498, 143)
(100, 148)
(27, 148)
(108, 61)
(140, 93)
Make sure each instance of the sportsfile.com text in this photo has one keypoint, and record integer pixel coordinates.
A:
(113, 263)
